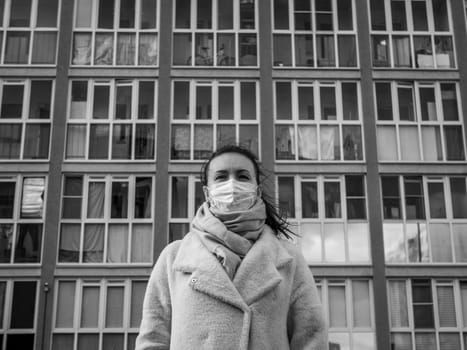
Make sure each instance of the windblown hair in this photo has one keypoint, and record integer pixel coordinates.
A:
(275, 217)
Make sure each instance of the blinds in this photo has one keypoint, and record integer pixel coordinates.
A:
(446, 306)
(398, 304)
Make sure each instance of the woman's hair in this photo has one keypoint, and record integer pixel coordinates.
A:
(275, 218)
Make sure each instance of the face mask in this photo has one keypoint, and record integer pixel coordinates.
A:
(232, 195)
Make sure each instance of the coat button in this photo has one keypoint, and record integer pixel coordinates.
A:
(194, 280)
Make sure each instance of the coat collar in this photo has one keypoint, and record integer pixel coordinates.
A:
(256, 276)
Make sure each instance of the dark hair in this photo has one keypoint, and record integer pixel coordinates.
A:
(275, 218)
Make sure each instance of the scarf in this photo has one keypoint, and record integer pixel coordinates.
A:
(229, 236)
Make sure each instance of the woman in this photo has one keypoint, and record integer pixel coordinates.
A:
(234, 281)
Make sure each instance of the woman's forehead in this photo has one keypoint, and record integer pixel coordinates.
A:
(231, 161)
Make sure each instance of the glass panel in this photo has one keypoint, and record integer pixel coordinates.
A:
(225, 14)
(311, 242)
(180, 148)
(137, 294)
(399, 20)
(83, 13)
(332, 200)
(106, 14)
(422, 304)
(247, 49)
(93, 246)
(96, 200)
(431, 139)
(401, 50)
(204, 13)
(458, 197)
(324, 15)
(203, 143)
(182, 13)
(334, 243)
(384, 101)
(12, 101)
(401, 341)
(440, 239)
(32, 203)
(306, 109)
(307, 142)
(177, 231)
(285, 142)
(65, 304)
(121, 141)
(119, 200)
(350, 101)
(427, 103)
(330, 143)
(347, 51)
(339, 341)
(10, 141)
(355, 194)
(204, 49)
(380, 50)
(420, 21)
(391, 197)
(444, 52)
(286, 195)
(436, 198)
(62, 341)
(281, 7)
(225, 55)
(417, 242)
(283, 51)
(303, 51)
(398, 304)
(328, 103)
(423, 49)
(460, 241)
(454, 143)
(449, 341)
(226, 102)
(302, 15)
(81, 49)
(440, 13)
(352, 143)
(41, 91)
(88, 341)
(361, 304)
(126, 49)
(344, 14)
(141, 243)
(101, 102)
(20, 341)
(76, 141)
(148, 14)
(99, 141)
(113, 341)
(90, 307)
(69, 243)
(44, 48)
(449, 98)
(103, 52)
(36, 143)
(425, 341)
(147, 49)
(17, 48)
(325, 50)
(247, 14)
(225, 135)
(248, 100)
(283, 100)
(249, 138)
(146, 100)
(79, 92)
(364, 341)
(309, 199)
(406, 105)
(181, 106)
(114, 308)
(127, 13)
(142, 205)
(28, 243)
(446, 306)
(463, 292)
(20, 13)
(337, 307)
(23, 304)
(182, 49)
(6, 244)
(203, 102)
(179, 197)
(7, 195)
(358, 237)
(72, 197)
(409, 143)
(394, 242)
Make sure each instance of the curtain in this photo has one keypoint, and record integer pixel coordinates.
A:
(141, 243)
(96, 200)
(307, 142)
(328, 141)
(10, 140)
(103, 54)
(203, 141)
(17, 47)
(44, 47)
(76, 141)
(82, 49)
(32, 203)
(409, 143)
(36, 145)
(117, 243)
(398, 304)
(180, 147)
(147, 49)
(440, 239)
(93, 245)
(144, 141)
(69, 243)
(126, 49)
(401, 48)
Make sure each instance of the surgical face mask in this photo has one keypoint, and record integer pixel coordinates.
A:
(232, 195)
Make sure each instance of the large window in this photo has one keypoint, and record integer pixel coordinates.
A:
(215, 33)
(97, 314)
(18, 305)
(427, 314)
(412, 34)
(22, 205)
(348, 307)
(329, 213)
(314, 33)
(419, 121)
(25, 118)
(425, 219)
(28, 31)
(318, 121)
(115, 33)
(208, 115)
(111, 119)
(107, 219)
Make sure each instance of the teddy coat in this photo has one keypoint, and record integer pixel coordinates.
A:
(272, 302)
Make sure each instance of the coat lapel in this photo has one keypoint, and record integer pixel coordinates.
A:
(207, 274)
(258, 273)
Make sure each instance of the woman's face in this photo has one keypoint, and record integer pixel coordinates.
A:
(231, 166)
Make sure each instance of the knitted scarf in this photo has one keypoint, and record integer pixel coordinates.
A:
(229, 236)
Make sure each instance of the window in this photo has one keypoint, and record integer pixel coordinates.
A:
(318, 121)
(208, 115)
(115, 33)
(107, 219)
(186, 196)
(30, 32)
(25, 118)
(419, 122)
(111, 119)
(18, 305)
(215, 33)
(314, 33)
(424, 219)
(22, 205)
(411, 34)
(97, 314)
(423, 313)
(348, 307)
(329, 215)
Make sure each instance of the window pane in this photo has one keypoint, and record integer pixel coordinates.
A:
(334, 243)
(148, 14)
(204, 12)
(352, 142)
(20, 13)
(358, 237)
(119, 200)
(69, 243)
(32, 203)
(422, 304)
(423, 50)
(383, 101)
(248, 101)
(101, 102)
(344, 14)
(114, 307)
(23, 305)
(17, 48)
(427, 103)
(391, 197)
(406, 105)
(446, 306)
(463, 292)
(337, 307)
(10, 141)
(47, 13)
(65, 304)
(88, 341)
(81, 49)
(454, 143)
(6, 244)
(203, 49)
(106, 14)
(103, 54)
(178, 231)
(347, 51)
(121, 141)
(394, 243)
(7, 195)
(76, 141)
(431, 139)
(401, 341)
(285, 142)
(147, 49)
(459, 197)
(311, 242)
(436, 198)
(179, 197)
(380, 50)
(112, 341)
(225, 14)
(309, 200)
(62, 341)
(330, 143)
(225, 135)
(84, 13)
(283, 51)
(444, 52)
(181, 107)
(127, 13)
(72, 197)
(247, 14)
(146, 100)
(449, 341)
(361, 304)
(306, 109)
(350, 101)
(440, 239)
(36, 143)
(126, 49)
(417, 243)
(420, 21)
(180, 147)
(93, 243)
(324, 15)
(283, 100)
(409, 143)
(225, 55)
(249, 138)
(356, 206)
(325, 51)
(280, 8)
(96, 200)
(398, 304)
(399, 21)
(44, 48)
(247, 49)
(203, 143)
(401, 51)
(99, 141)
(332, 199)
(307, 142)
(141, 243)
(328, 103)
(12, 101)
(303, 51)
(286, 195)
(226, 102)
(28, 243)
(143, 197)
(41, 92)
(90, 307)
(449, 98)
(460, 241)
(440, 13)
(203, 102)
(137, 294)
(182, 13)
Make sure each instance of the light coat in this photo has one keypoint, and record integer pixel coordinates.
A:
(272, 302)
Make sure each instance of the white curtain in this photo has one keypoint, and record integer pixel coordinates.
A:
(398, 304)
(69, 243)
(307, 142)
(327, 142)
(401, 48)
(82, 49)
(76, 141)
(147, 50)
(446, 306)
(32, 203)
(117, 243)
(103, 54)
(93, 246)
(96, 200)
(126, 49)
(141, 243)
(180, 142)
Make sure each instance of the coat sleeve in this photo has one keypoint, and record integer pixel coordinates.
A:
(306, 325)
(154, 332)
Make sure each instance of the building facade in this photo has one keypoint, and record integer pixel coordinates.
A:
(355, 108)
